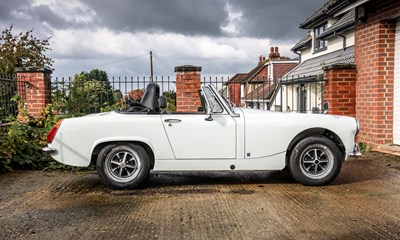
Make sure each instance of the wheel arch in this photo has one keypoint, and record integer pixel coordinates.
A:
(319, 132)
(99, 146)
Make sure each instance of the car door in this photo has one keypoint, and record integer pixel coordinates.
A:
(203, 136)
(191, 136)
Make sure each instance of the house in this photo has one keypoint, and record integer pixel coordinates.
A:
(353, 48)
(254, 89)
(234, 86)
(329, 40)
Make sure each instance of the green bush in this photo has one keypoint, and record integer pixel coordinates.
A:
(21, 142)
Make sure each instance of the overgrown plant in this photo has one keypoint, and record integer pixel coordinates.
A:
(364, 148)
(21, 141)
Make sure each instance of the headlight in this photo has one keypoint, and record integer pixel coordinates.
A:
(357, 126)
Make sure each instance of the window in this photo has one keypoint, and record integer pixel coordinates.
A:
(320, 45)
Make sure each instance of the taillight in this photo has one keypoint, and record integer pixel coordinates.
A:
(53, 132)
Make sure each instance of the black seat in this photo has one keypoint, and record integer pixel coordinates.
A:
(150, 97)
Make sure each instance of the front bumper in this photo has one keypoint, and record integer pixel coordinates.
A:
(356, 152)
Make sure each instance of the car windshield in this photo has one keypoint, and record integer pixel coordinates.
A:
(213, 92)
(212, 101)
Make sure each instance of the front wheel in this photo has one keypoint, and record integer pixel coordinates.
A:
(122, 166)
(315, 161)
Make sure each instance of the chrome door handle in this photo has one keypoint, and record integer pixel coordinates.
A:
(172, 120)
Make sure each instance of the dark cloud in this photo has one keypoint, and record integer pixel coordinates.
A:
(193, 17)
(6, 8)
(278, 20)
(44, 14)
(22, 15)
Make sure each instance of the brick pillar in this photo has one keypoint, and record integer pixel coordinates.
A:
(37, 88)
(340, 89)
(188, 84)
(374, 56)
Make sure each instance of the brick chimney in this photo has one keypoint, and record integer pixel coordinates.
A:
(277, 52)
(274, 53)
(261, 59)
(271, 52)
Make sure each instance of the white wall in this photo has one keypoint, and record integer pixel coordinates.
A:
(334, 44)
(289, 101)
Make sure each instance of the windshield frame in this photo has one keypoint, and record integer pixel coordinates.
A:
(223, 102)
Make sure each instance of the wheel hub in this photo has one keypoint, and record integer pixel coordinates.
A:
(122, 165)
(316, 162)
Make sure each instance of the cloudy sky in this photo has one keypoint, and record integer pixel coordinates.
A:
(222, 36)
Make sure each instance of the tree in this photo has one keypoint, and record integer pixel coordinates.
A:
(89, 92)
(22, 50)
(171, 100)
(118, 96)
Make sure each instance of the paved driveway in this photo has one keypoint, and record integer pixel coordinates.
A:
(363, 203)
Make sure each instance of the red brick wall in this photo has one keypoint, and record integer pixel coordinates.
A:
(340, 89)
(188, 84)
(37, 88)
(262, 75)
(374, 57)
(234, 93)
(281, 69)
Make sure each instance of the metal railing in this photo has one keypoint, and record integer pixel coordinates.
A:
(12, 91)
(70, 95)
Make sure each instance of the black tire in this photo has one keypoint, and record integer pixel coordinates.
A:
(122, 166)
(315, 161)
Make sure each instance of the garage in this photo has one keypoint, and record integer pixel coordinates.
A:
(396, 97)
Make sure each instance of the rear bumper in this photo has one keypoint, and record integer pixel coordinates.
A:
(48, 150)
(356, 152)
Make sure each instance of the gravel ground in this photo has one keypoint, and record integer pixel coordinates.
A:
(362, 203)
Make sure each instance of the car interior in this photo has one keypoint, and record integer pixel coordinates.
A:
(152, 102)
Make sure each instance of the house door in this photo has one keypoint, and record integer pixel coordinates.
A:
(396, 97)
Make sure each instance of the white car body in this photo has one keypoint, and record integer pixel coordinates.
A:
(236, 138)
(195, 144)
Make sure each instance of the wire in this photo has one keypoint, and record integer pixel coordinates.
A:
(102, 65)
(167, 64)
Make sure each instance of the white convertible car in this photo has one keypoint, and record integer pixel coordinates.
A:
(125, 145)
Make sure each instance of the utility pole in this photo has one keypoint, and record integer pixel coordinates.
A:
(151, 66)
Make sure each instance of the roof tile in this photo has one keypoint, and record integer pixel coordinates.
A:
(345, 22)
(314, 66)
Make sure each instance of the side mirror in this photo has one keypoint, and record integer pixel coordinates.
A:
(326, 107)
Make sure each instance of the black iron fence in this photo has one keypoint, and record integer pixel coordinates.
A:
(83, 96)
(12, 91)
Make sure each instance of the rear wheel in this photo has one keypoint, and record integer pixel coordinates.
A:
(315, 161)
(122, 166)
